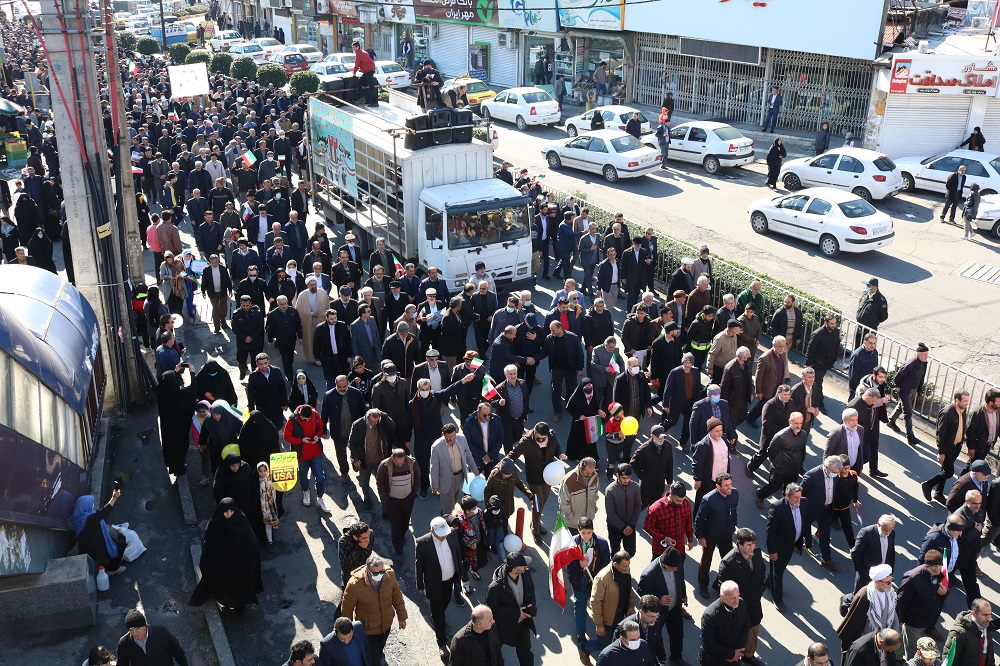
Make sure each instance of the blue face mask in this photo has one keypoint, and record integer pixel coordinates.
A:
(716, 398)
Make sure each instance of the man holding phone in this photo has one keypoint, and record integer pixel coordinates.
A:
(512, 590)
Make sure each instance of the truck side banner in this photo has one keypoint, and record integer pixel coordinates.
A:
(332, 136)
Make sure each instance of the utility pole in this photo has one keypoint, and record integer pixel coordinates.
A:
(91, 222)
(163, 31)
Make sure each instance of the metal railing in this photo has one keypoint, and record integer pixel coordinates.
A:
(942, 379)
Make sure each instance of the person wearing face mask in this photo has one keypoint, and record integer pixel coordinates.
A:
(351, 248)
(709, 407)
(653, 463)
(583, 405)
(214, 383)
(390, 394)
(629, 650)
(302, 392)
(632, 391)
(372, 596)
(539, 446)
(818, 490)
(398, 482)
(40, 250)
(509, 315)
(725, 626)
(426, 425)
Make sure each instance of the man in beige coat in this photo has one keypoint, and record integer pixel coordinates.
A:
(608, 606)
(372, 597)
(311, 305)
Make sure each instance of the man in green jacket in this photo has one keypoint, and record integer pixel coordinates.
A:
(970, 635)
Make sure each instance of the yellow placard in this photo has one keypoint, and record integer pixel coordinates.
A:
(284, 471)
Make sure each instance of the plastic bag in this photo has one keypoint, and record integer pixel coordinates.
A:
(133, 547)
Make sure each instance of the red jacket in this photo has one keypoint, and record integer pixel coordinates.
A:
(297, 429)
(364, 61)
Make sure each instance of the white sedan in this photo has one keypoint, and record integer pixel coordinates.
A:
(269, 44)
(836, 220)
(615, 117)
(609, 152)
(389, 73)
(224, 40)
(307, 51)
(930, 173)
(713, 145)
(988, 218)
(866, 173)
(249, 49)
(523, 107)
(345, 59)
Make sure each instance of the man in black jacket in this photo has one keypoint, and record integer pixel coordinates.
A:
(875, 544)
(920, 600)
(824, 350)
(807, 398)
(787, 452)
(725, 626)
(565, 355)
(148, 644)
(954, 187)
(634, 262)
(267, 392)
(787, 531)
(775, 417)
(909, 381)
(664, 579)
(737, 385)
(367, 454)
(787, 321)
(467, 645)
(248, 329)
(511, 597)
(332, 347)
(869, 649)
(714, 525)
(436, 575)
(647, 617)
(745, 567)
(284, 331)
(950, 435)
(977, 435)
(873, 309)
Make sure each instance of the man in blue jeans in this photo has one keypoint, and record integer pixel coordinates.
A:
(596, 556)
(304, 431)
(774, 101)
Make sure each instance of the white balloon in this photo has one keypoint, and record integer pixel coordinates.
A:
(554, 472)
(512, 543)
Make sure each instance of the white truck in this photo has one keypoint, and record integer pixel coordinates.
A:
(435, 206)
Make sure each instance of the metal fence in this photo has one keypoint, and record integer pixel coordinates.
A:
(942, 379)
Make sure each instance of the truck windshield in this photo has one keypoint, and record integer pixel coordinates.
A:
(484, 227)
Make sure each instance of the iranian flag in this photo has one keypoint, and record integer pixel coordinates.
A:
(174, 117)
(613, 366)
(133, 67)
(398, 264)
(945, 580)
(38, 71)
(562, 551)
(949, 659)
(594, 428)
(249, 159)
(475, 363)
(489, 390)
(247, 212)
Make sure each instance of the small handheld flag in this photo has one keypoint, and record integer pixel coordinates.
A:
(475, 363)
(397, 264)
(249, 158)
(594, 428)
(945, 580)
(562, 551)
(489, 390)
(613, 366)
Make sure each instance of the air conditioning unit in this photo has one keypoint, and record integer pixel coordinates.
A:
(504, 40)
(276, 4)
(922, 46)
(980, 23)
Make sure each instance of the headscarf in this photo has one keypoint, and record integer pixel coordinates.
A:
(83, 510)
(225, 430)
(258, 439)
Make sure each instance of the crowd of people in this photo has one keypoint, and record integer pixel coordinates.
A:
(411, 399)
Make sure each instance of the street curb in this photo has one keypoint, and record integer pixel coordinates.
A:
(223, 653)
(187, 503)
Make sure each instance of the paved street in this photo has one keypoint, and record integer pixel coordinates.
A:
(919, 273)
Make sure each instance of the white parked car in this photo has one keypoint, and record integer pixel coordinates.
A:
(224, 40)
(269, 44)
(866, 173)
(930, 173)
(345, 59)
(610, 152)
(615, 117)
(713, 145)
(523, 107)
(389, 73)
(988, 218)
(138, 27)
(309, 52)
(255, 51)
(836, 220)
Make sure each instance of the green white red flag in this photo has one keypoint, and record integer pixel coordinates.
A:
(613, 366)
(475, 363)
(562, 551)
(593, 427)
(489, 390)
(945, 580)
(249, 158)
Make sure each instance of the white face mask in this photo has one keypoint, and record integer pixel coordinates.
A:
(424, 394)
(377, 577)
(633, 645)
(634, 369)
(391, 378)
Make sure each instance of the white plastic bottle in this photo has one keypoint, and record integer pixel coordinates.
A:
(102, 580)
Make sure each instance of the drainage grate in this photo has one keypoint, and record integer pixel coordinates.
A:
(983, 273)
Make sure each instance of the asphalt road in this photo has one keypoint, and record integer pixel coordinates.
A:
(919, 272)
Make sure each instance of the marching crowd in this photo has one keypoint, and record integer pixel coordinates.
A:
(408, 400)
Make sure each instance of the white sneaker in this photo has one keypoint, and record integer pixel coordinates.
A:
(321, 505)
(305, 498)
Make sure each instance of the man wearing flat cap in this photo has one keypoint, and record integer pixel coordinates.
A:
(920, 600)
(148, 644)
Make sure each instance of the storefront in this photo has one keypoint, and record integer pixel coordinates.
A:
(282, 20)
(930, 103)
(347, 27)
(412, 43)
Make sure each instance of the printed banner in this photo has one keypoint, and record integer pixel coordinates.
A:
(188, 80)
(944, 75)
(332, 133)
(592, 14)
(284, 471)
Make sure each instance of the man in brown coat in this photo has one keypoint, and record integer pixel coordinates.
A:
(398, 482)
(169, 237)
(372, 596)
(699, 297)
(772, 371)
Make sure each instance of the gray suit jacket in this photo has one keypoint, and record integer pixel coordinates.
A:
(441, 472)
(599, 372)
(836, 445)
(372, 353)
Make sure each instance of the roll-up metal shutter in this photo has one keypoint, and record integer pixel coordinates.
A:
(924, 124)
(991, 126)
(503, 60)
(450, 49)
